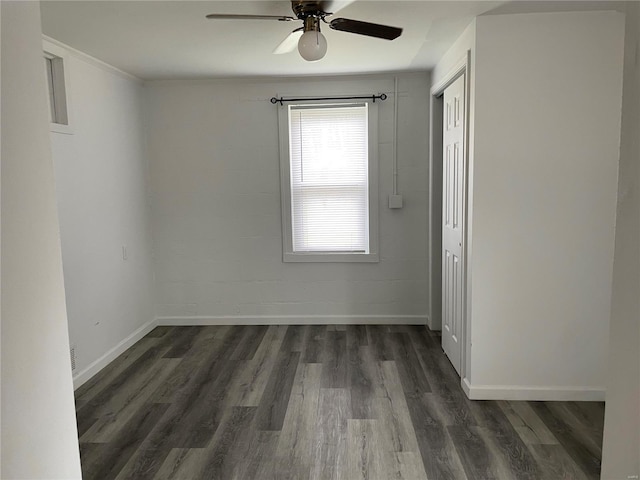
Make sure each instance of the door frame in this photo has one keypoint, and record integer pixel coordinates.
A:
(462, 67)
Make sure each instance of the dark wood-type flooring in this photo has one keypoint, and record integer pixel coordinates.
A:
(317, 402)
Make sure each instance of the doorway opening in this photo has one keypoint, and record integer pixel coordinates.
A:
(448, 212)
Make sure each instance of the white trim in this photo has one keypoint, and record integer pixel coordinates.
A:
(295, 320)
(460, 67)
(92, 60)
(435, 150)
(288, 255)
(262, 79)
(533, 393)
(466, 239)
(331, 257)
(88, 372)
(466, 387)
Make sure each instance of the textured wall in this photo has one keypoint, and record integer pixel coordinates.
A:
(101, 182)
(214, 161)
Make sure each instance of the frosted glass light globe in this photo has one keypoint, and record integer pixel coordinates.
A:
(312, 45)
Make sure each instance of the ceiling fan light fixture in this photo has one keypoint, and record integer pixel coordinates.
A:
(312, 44)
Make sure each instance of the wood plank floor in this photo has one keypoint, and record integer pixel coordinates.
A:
(317, 402)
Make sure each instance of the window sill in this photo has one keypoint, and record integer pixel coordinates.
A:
(330, 257)
(60, 128)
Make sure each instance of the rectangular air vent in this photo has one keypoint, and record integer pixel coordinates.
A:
(73, 358)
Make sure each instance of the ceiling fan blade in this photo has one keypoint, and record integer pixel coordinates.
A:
(290, 43)
(334, 6)
(233, 16)
(365, 28)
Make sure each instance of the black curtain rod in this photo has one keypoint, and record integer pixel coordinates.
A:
(281, 100)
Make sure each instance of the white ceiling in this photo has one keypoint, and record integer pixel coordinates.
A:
(173, 39)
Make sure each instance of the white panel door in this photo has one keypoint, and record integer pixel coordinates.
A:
(453, 196)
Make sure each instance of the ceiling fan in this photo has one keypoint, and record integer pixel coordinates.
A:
(312, 45)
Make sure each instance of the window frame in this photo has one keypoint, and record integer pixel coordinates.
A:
(60, 78)
(288, 255)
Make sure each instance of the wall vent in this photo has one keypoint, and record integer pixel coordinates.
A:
(73, 358)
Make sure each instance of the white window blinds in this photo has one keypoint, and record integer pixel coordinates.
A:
(329, 158)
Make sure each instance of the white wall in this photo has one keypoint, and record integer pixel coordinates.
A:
(102, 201)
(0, 249)
(621, 446)
(216, 207)
(547, 119)
(39, 437)
(465, 42)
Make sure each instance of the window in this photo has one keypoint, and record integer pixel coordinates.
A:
(48, 66)
(55, 75)
(329, 182)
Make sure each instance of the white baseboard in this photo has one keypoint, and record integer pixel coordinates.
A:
(85, 374)
(296, 320)
(432, 325)
(529, 393)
